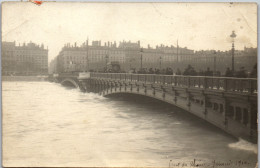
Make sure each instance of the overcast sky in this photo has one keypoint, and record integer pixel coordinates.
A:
(195, 25)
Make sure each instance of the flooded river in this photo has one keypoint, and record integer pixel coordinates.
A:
(46, 124)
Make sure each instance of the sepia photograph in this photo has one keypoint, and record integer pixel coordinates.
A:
(129, 84)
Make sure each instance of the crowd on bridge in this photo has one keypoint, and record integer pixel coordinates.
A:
(165, 71)
(191, 71)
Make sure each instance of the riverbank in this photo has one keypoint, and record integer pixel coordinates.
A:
(24, 78)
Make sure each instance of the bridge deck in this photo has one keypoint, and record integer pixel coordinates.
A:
(238, 85)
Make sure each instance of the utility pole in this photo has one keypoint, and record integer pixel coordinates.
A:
(214, 73)
(160, 63)
(177, 51)
(214, 63)
(233, 36)
(141, 59)
(87, 57)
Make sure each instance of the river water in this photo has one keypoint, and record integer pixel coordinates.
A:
(46, 124)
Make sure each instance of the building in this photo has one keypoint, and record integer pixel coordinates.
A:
(26, 59)
(87, 57)
(221, 60)
(130, 55)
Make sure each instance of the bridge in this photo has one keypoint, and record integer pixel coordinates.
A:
(228, 103)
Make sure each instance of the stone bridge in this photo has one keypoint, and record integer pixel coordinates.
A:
(228, 103)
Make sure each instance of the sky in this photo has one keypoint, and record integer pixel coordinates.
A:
(197, 26)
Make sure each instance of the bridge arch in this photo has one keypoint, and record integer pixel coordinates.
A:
(157, 96)
(136, 93)
(69, 82)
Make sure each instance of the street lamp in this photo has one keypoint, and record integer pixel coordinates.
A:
(233, 36)
(87, 60)
(177, 52)
(141, 58)
(214, 73)
(160, 62)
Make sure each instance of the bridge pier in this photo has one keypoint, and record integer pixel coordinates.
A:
(205, 105)
(153, 88)
(188, 96)
(163, 92)
(145, 89)
(107, 87)
(125, 86)
(225, 113)
(249, 107)
(137, 87)
(175, 95)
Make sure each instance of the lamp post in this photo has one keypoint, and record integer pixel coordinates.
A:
(233, 36)
(141, 58)
(177, 52)
(160, 62)
(130, 67)
(87, 59)
(214, 73)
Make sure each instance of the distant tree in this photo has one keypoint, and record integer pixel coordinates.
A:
(178, 71)
(201, 73)
(168, 71)
(218, 73)
(208, 72)
(228, 73)
(190, 71)
(253, 73)
(157, 71)
(241, 73)
(151, 71)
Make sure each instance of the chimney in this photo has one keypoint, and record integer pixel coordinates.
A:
(75, 44)
(138, 42)
(115, 43)
(108, 44)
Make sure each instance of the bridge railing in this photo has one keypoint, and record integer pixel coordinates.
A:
(243, 85)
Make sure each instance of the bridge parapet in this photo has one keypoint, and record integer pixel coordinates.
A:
(238, 85)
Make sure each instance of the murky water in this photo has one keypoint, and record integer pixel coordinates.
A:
(45, 124)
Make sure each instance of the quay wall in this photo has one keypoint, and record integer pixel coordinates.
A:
(24, 78)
